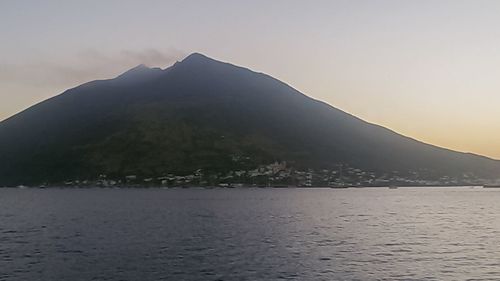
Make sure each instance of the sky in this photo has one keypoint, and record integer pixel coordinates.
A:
(427, 69)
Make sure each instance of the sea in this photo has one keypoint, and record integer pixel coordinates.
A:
(422, 233)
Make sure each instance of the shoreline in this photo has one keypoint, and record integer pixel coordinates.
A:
(242, 187)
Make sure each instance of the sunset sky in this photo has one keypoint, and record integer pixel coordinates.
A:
(427, 69)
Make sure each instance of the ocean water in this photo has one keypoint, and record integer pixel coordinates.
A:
(250, 234)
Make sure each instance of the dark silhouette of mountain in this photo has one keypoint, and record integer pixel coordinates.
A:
(204, 114)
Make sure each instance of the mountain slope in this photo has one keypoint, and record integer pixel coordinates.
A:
(204, 114)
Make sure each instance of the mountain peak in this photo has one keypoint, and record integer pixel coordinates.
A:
(197, 58)
(137, 69)
(140, 71)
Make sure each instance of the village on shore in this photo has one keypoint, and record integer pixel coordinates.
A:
(278, 174)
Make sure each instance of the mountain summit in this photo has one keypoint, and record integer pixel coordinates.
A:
(215, 122)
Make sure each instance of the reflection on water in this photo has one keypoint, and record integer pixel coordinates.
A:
(254, 234)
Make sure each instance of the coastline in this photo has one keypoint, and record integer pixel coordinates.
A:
(241, 187)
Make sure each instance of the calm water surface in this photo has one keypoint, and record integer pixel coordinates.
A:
(253, 234)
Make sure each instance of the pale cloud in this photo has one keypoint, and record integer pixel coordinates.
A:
(84, 66)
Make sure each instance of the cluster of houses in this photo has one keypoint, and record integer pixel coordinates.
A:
(279, 174)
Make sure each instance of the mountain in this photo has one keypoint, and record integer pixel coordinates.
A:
(206, 117)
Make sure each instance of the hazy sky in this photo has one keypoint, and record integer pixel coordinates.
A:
(426, 69)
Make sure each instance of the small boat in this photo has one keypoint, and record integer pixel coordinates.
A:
(491, 186)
